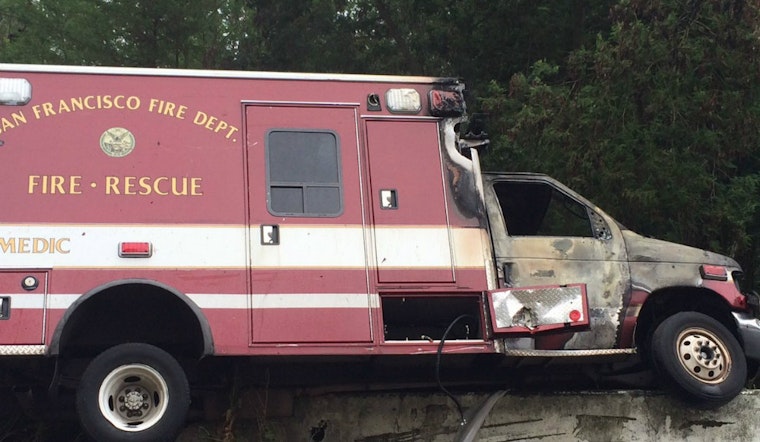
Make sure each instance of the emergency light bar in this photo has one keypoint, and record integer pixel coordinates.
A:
(15, 91)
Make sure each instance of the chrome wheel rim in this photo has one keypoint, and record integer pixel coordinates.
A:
(133, 397)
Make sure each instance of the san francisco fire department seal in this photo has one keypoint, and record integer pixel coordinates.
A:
(117, 142)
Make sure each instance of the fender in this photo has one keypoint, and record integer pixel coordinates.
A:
(208, 340)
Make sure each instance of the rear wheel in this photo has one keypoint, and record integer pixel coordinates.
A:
(134, 392)
(700, 357)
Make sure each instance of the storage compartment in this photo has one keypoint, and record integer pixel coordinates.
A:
(22, 306)
(426, 318)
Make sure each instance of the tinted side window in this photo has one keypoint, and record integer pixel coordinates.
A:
(303, 173)
(538, 209)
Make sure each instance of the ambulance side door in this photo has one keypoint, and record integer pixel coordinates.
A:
(309, 280)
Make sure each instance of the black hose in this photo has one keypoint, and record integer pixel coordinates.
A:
(463, 421)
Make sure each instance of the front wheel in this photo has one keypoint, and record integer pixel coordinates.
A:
(701, 357)
(133, 392)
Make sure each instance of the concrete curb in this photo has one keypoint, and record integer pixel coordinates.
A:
(433, 417)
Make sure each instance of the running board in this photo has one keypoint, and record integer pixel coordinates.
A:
(22, 350)
(568, 353)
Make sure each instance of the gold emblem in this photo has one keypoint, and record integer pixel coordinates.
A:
(117, 142)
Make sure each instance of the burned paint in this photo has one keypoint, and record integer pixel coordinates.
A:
(656, 264)
(543, 274)
(642, 249)
(600, 262)
(603, 328)
(563, 246)
(459, 175)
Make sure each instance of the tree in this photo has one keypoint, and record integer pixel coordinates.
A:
(48, 31)
(170, 33)
(650, 108)
(657, 121)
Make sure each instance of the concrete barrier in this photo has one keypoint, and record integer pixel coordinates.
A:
(280, 415)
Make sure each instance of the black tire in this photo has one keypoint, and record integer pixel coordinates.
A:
(700, 357)
(133, 392)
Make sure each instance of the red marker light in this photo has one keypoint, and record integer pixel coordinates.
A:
(575, 315)
(741, 301)
(446, 103)
(135, 250)
(716, 273)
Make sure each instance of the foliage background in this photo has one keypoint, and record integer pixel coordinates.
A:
(649, 108)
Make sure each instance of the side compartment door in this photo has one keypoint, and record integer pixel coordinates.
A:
(309, 279)
(22, 307)
(411, 228)
(549, 242)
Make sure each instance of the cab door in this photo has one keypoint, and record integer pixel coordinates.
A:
(551, 242)
(309, 280)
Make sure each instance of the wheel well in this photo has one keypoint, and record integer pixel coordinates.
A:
(132, 311)
(667, 302)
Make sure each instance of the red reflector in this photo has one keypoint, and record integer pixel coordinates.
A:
(741, 301)
(717, 273)
(135, 249)
(575, 315)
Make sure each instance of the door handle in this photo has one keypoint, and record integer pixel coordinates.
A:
(270, 235)
(507, 272)
(5, 307)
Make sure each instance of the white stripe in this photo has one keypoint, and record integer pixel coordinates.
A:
(311, 247)
(214, 246)
(205, 301)
(320, 300)
(343, 247)
(96, 246)
(398, 248)
(226, 301)
(26, 300)
(61, 301)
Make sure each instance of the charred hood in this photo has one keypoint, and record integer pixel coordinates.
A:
(642, 249)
